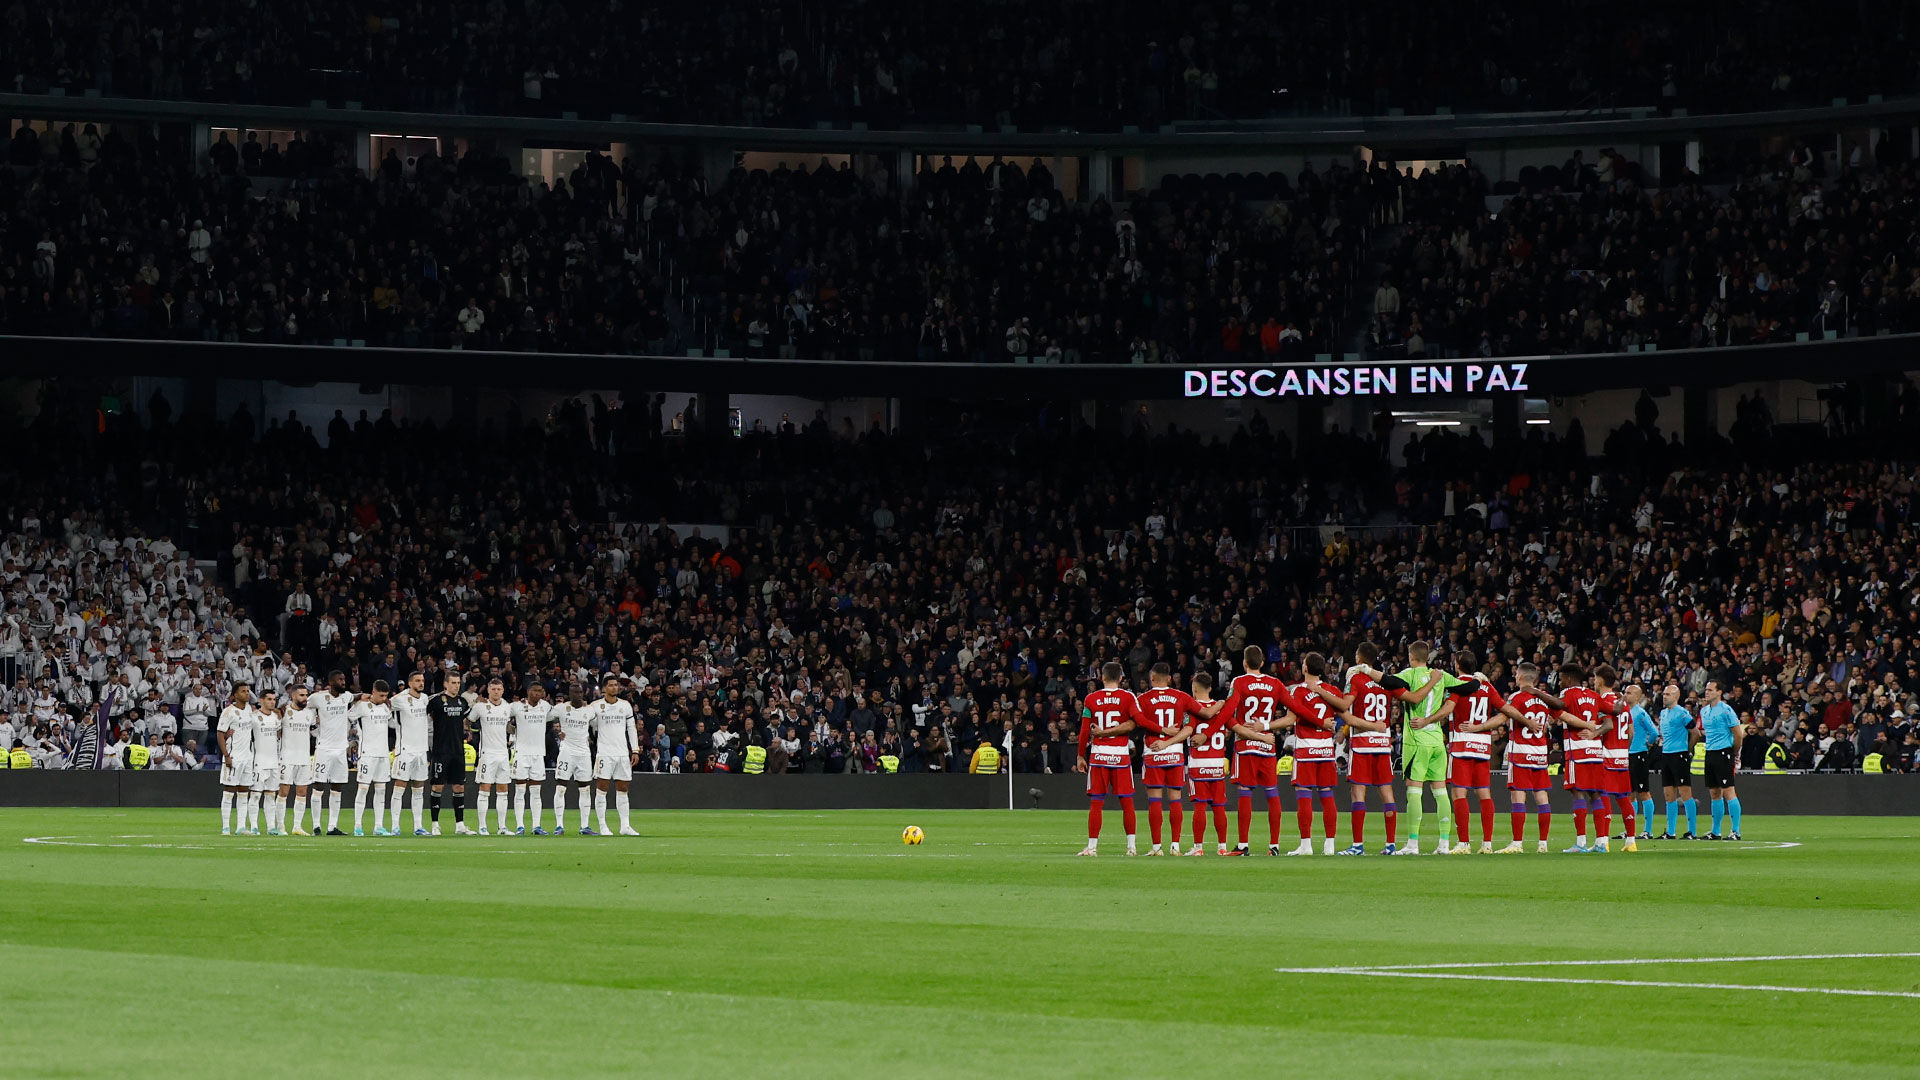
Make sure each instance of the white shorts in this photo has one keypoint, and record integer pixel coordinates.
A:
(330, 767)
(236, 772)
(377, 769)
(530, 769)
(494, 770)
(297, 774)
(572, 768)
(620, 768)
(410, 768)
(266, 776)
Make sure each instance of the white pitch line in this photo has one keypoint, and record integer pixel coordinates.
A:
(1607, 963)
(1605, 982)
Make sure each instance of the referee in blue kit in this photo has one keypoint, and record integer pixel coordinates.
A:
(1676, 764)
(1721, 729)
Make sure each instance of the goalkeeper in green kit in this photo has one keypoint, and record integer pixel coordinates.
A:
(1423, 747)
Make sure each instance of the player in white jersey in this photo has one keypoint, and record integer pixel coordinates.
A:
(530, 757)
(330, 748)
(416, 742)
(236, 757)
(296, 754)
(494, 716)
(618, 751)
(373, 716)
(266, 759)
(573, 764)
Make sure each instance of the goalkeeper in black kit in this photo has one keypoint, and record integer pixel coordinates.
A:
(448, 758)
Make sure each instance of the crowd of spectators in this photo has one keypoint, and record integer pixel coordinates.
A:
(118, 234)
(863, 594)
(1093, 66)
(1600, 262)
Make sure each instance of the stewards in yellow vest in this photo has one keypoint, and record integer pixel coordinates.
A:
(1876, 759)
(889, 763)
(20, 759)
(756, 761)
(1776, 759)
(1285, 766)
(1699, 767)
(986, 759)
(473, 757)
(138, 756)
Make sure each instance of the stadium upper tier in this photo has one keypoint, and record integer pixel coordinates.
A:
(127, 235)
(1075, 63)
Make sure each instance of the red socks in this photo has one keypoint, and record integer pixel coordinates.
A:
(1519, 815)
(1246, 818)
(1486, 820)
(1303, 809)
(1626, 814)
(1153, 820)
(1460, 821)
(1178, 810)
(1093, 818)
(1126, 813)
(1545, 817)
(1274, 814)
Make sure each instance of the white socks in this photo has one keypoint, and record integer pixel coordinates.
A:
(315, 798)
(419, 806)
(586, 795)
(600, 807)
(533, 793)
(500, 809)
(251, 813)
(519, 806)
(480, 803)
(333, 808)
(360, 807)
(620, 801)
(226, 811)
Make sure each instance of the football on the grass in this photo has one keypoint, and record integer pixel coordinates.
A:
(912, 835)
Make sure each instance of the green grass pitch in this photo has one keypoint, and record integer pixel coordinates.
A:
(722, 944)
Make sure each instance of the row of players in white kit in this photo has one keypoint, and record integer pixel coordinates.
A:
(272, 753)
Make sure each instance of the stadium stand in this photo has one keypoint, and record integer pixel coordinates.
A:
(1093, 66)
(865, 592)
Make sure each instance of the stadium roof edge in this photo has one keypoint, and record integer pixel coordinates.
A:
(1319, 131)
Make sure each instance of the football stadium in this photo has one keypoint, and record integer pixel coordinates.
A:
(987, 540)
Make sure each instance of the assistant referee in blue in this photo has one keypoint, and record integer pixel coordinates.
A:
(1676, 767)
(1721, 729)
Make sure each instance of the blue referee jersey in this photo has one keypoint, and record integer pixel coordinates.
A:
(1643, 731)
(1675, 722)
(1718, 721)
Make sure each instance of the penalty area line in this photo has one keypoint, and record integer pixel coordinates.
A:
(1605, 963)
(1643, 983)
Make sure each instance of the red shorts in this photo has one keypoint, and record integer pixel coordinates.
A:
(1315, 774)
(1465, 772)
(1526, 779)
(1579, 776)
(1210, 791)
(1374, 770)
(1615, 781)
(1109, 780)
(1256, 770)
(1171, 776)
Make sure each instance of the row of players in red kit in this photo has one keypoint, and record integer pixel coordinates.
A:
(1187, 737)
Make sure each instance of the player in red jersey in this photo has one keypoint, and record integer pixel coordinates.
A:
(1368, 709)
(1207, 767)
(1616, 784)
(1169, 716)
(1580, 710)
(1315, 773)
(1258, 706)
(1475, 711)
(1106, 752)
(1527, 751)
